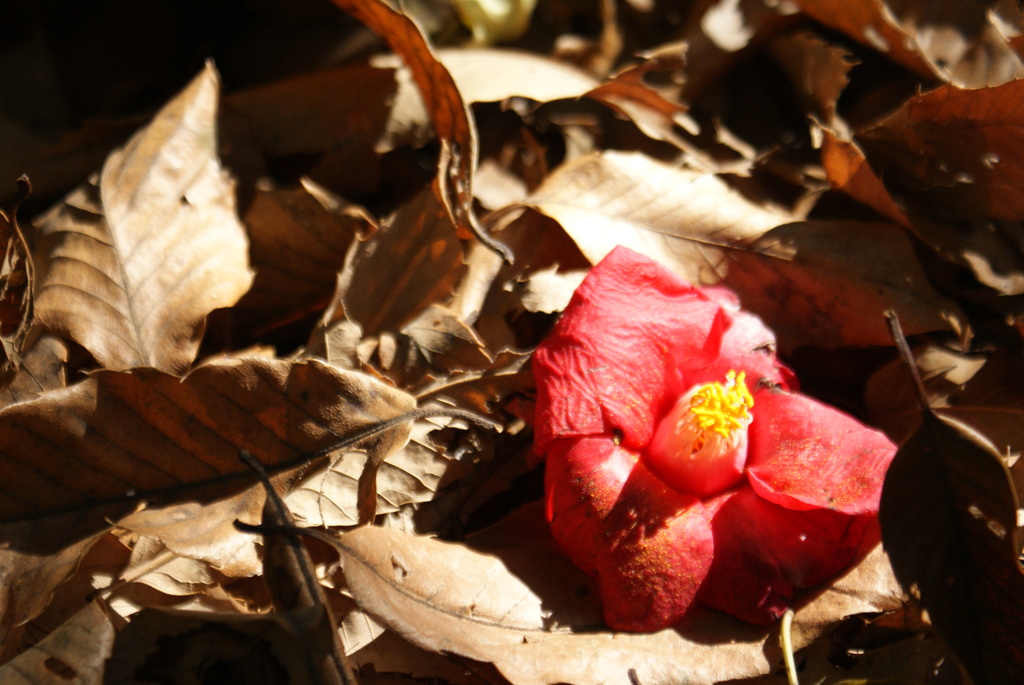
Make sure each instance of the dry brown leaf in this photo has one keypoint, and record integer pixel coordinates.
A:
(980, 392)
(950, 522)
(951, 41)
(412, 261)
(205, 531)
(512, 609)
(410, 475)
(121, 436)
(848, 170)
(817, 69)
(17, 281)
(311, 116)
(28, 579)
(815, 283)
(153, 564)
(74, 654)
(133, 261)
(448, 112)
(445, 341)
(42, 369)
(962, 150)
(298, 246)
(974, 246)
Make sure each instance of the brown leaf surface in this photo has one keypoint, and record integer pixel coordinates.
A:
(133, 261)
(448, 112)
(74, 654)
(42, 369)
(410, 475)
(949, 516)
(980, 392)
(412, 261)
(298, 246)
(511, 609)
(951, 41)
(963, 150)
(121, 436)
(16, 294)
(815, 283)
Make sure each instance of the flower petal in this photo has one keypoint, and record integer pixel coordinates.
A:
(649, 546)
(764, 553)
(611, 363)
(804, 454)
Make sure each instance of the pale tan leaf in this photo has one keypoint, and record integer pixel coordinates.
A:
(512, 610)
(153, 564)
(205, 531)
(410, 475)
(74, 654)
(134, 260)
(815, 283)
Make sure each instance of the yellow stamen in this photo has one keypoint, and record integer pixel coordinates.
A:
(722, 408)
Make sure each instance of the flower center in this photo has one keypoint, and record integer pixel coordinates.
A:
(700, 447)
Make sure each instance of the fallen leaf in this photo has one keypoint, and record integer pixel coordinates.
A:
(949, 518)
(74, 654)
(119, 437)
(960, 151)
(298, 246)
(954, 42)
(412, 261)
(448, 112)
(28, 579)
(814, 283)
(42, 369)
(977, 391)
(133, 261)
(410, 475)
(302, 117)
(450, 598)
(16, 287)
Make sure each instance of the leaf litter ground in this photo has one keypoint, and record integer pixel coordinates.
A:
(281, 255)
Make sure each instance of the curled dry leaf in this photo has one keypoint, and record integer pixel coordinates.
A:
(75, 654)
(448, 112)
(511, 607)
(956, 42)
(132, 262)
(16, 284)
(815, 283)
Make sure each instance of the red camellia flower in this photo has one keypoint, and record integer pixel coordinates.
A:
(683, 468)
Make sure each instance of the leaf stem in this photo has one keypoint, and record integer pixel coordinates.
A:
(908, 359)
(787, 647)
